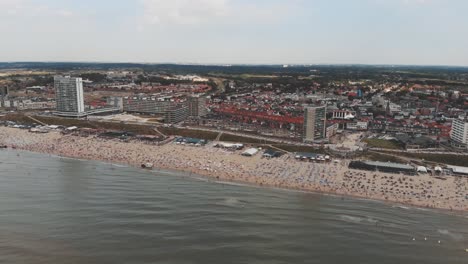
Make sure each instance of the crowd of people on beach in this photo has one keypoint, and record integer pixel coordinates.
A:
(282, 172)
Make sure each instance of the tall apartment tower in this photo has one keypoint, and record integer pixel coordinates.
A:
(459, 133)
(197, 106)
(3, 96)
(3, 91)
(315, 119)
(69, 95)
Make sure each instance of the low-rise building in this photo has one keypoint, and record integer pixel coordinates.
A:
(358, 125)
(173, 112)
(343, 114)
(389, 167)
(332, 129)
(115, 101)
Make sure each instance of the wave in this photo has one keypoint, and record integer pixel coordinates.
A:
(236, 184)
(358, 220)
(401, 207)
(422, 209)
(232, 202)
(446, 232)
(119, 165)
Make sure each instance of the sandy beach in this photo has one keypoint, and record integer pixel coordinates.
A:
(284, 172)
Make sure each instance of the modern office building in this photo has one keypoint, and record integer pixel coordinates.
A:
(197, 106)
(315, 119)
(459, 133)
(69, 96)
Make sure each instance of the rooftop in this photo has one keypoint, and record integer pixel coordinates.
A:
(458, 169)
(389, 165)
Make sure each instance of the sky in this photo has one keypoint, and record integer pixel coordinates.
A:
(414, 32)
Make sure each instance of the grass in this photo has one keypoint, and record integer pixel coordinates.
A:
(294, 148)
(188, 133)
(138, 129)
(382, 143)
(241, 139)
(253, 76)
(154, 120)
(382, 157)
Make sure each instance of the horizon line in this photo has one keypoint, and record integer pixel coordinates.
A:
(244, 64)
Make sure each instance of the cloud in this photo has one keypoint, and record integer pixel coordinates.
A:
(64, 13)
(417, 2)
(183, 11)
(407, 2)
(10, 7)
(14, 8)
(195, 12)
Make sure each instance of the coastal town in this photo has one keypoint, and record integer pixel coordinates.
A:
(234, 132)
(397, 135)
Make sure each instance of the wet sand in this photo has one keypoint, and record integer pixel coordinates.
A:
(284, 172)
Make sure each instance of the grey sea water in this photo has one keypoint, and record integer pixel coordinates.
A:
(57, 210)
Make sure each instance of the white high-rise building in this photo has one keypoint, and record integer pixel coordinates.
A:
(315, 119)
(459, 133)
(69, 95)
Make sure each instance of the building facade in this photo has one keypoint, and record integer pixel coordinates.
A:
(176, 114)
(343, 114)
(459, 133)
(173, 112)
(5, 103)
(3, 91)
(358, 125)
(3, 96)
(197, 107)
(315, 119)
(69, 95)
(142, 105)
(332, 130)
(115, 101)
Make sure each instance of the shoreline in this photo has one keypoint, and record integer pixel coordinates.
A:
(222, 166)
(211, 179)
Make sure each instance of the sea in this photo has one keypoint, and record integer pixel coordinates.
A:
(60, 210)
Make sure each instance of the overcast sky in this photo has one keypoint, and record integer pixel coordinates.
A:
(424, 32)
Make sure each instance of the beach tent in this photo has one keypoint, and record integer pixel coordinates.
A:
(269, 153)
(422, 169)
(250, 152)
(231, 146)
